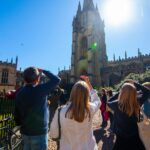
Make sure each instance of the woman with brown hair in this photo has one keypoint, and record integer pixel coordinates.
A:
(126, 107)
(76, 118)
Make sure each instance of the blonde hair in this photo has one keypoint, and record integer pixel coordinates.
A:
(79, 97)
(128, 100)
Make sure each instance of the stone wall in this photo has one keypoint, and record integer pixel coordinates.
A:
(11, 75)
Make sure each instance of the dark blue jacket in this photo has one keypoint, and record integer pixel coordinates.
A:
(124, 125)
(31, 110)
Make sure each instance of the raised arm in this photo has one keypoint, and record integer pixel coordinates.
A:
(145, 93)
(95, 101)
(113, 102)
(54, 80)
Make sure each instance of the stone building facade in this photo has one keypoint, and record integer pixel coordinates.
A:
(88, 43)
(89, 56)
(65, 77)
(8, 74)
(116, 70)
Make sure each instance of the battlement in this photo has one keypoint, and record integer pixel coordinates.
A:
(10, 63)
(7, 63)
(134, 58)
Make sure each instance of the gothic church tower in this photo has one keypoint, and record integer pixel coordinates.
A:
(88, 45)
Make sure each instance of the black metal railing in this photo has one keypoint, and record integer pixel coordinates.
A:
(10, 137)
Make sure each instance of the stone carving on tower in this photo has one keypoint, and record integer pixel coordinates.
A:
(88, 43)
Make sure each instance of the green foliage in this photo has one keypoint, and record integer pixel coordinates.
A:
(106, 88)
(141, 78)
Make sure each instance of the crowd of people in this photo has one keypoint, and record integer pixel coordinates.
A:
(44, 108)
(10, 94)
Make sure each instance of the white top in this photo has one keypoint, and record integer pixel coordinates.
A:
(75, 135)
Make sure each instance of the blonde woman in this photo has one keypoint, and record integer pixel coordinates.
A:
(126, 112)
(76, 118)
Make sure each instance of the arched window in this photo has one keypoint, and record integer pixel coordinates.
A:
(5, 74)
(84, 47)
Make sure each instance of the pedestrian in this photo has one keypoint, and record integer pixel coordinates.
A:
(31, 109)
(54, 100)
(103, 110)
(146, 107)
(76, 118)
(126, 115)
(110, 111)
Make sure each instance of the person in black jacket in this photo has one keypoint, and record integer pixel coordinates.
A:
(126, 106)
(31, 108)
(56, 99)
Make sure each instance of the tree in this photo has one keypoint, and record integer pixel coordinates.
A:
(141, 78)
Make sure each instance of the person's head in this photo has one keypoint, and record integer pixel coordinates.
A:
(109, 93)
(103, 91)
(57, 92)
(79, 98)
(128, 100)
(31, 75)
(146, 84)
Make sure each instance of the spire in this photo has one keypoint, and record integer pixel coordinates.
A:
(114, 57)
(16, 61)
(58, 69)
(119, 58)
(125, 54)
(88, 5)
(79, 8)
(139, 53)
(11, 60)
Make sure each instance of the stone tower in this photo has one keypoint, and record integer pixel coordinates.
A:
(88, 44)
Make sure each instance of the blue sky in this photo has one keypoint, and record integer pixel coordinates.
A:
(39, 32)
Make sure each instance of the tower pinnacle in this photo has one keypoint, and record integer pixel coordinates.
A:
(125, 54)
(16, 61)
(88, 5)
(79, 8)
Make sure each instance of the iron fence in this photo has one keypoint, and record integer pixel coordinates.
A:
(10, 137)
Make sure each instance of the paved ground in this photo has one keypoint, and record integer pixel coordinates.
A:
(104, 138)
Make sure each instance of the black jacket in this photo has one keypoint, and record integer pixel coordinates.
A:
(124, 125)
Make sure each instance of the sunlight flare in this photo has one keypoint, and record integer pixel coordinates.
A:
(118, 12)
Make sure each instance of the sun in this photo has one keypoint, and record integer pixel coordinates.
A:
(118, 12)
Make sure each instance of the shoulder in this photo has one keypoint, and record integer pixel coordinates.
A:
(92, 106)
(20, 92)
(65, 107)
